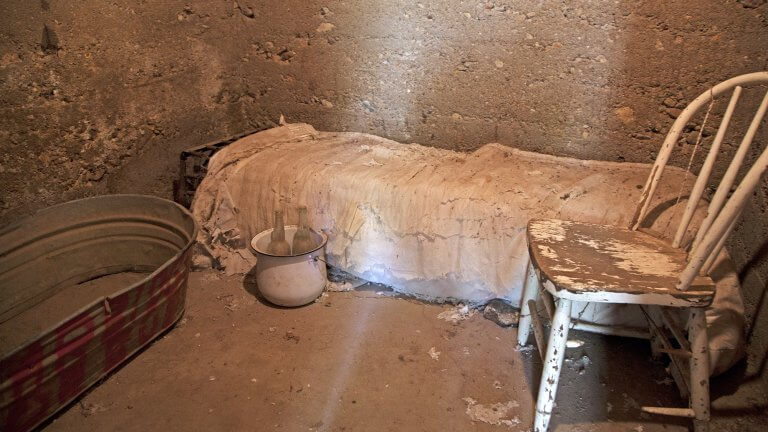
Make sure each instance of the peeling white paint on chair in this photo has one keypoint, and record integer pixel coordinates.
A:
(550, 229)
(582, 284)
(642, 260)
(597, 260)
(548, 252)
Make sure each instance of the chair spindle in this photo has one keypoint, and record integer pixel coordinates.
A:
(706, 170)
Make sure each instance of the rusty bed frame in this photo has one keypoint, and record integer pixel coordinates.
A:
(193, 165)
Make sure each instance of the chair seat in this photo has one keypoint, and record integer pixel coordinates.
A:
(600, 263)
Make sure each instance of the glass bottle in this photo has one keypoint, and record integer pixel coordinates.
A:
(302, 240)
(277, 244)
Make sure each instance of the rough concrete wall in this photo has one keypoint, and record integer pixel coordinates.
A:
(749, 248)
(100, 97)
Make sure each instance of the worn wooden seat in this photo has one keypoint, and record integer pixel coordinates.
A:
(591, 263)
(599, 263)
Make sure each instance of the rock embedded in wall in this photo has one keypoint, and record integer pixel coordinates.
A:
(50, 40)
(751, 4)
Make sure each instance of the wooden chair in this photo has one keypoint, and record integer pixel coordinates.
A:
(584, 262)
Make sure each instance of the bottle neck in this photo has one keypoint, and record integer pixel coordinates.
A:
(279, 225)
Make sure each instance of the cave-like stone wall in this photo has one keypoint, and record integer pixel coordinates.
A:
(100, 97)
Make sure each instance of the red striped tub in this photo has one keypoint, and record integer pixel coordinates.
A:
(75, 242)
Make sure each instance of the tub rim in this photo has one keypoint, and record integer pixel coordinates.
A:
(100, 300)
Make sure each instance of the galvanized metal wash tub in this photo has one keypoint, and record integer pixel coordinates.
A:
(60, 247)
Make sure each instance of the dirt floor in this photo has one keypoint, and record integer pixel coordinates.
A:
(368, 360)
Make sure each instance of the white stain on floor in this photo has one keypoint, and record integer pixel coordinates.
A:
(496, 414)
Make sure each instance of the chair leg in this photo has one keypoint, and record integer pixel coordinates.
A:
(530, 289)
(538, 329)
(553, 364)
(699, 365)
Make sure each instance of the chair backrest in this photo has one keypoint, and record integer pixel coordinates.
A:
(722, 212)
